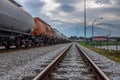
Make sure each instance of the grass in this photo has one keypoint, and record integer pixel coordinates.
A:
(113, 55)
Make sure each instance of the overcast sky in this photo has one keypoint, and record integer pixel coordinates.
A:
(67, 15)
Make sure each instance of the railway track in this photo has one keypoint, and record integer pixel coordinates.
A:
(73, 64)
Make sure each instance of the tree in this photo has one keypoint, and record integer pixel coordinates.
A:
(73, 37)
(118, 38)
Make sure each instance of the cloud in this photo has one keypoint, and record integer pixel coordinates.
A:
(63, 14)
(49, 6)
(22, 2)
(103, 1)
(61, 10)
(35, 4)
(67, 8)
(67, 1)
(110, 25)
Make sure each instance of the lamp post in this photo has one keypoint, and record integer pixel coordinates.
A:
(93, 29)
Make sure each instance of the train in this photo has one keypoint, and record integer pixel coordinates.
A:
(18, 28)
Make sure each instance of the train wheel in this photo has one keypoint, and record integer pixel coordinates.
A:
(18, 43)
(26, 44)
(7, 45)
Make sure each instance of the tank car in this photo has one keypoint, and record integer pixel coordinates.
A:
(39, 27)
(43, 30)
(15, 23)
(58, 36)
(13, 17)
(64, 38)
(50, 32)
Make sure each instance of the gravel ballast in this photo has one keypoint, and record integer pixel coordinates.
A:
(15, 65)
(72, 67)
(109, 67)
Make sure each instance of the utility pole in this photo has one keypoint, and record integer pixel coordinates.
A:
(85, 20)
(109, 33)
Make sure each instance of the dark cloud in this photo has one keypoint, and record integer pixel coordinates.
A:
(33, 7)
(66, 8)
(103, 1)
(67, 1)
(101, 11)
(110, 24)
(55, 21)
(117, 3)
(34, 4)
(65, 5)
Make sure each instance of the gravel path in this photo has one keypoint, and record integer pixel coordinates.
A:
(15, 65)
(111, 68)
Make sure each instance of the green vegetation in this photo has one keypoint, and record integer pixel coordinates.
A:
(75, 37)
(113, 55)
(118, 38)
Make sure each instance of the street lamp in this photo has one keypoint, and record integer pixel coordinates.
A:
(93, 29)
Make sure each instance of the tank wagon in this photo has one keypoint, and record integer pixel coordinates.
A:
(43, 31)
(14, 18)
(19, 28)
(59, 37)
(15, 23)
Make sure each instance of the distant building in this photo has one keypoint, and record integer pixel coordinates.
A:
(100, 38)
(112, 39)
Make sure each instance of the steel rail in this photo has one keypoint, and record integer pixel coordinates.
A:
(42, 75)
(101, 75)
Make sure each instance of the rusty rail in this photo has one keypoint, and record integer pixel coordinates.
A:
(101, 75)
(51, 66)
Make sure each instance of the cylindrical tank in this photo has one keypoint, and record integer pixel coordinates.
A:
(13, 17)
(57, 34)
(39, 27)
(50, 32)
